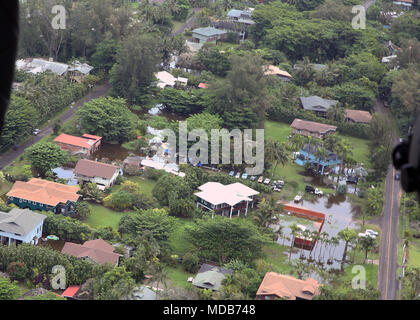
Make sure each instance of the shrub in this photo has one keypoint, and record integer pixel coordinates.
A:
(342, 189)
(190, 262)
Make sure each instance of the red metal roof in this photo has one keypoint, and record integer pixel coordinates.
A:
(70, 291)
(87, 142)
(202, 85)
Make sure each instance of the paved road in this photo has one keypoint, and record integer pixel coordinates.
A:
(10, 156)
(389, 223)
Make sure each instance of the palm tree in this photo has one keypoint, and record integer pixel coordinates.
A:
(276, 153)
(334, 243)
(347, 235)
(295, 229)
(336, 113)
(368, 243)
(264, 214)
(305, 71)
(296, 142)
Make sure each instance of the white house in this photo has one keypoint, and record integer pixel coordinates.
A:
(20, 226)
(165, 79)
(103, 174)
(226, 200)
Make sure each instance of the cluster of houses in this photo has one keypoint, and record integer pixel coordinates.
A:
(76, 71)
(236, 21)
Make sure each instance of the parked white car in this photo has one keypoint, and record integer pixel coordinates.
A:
(267, 181)
(238, 175)
(372, 232)
(319, 192)
(260, 179)
(245, 176)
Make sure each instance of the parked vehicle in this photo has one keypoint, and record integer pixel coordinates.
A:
(298, 198)
(36, 132)
(253, 178)
(238, 175)
(245, 176)
(267, 181)
(352, 180)
(310, 189)
(313, 190)
(232, 173)
(397, 176)
(372, 232)
(260, 179)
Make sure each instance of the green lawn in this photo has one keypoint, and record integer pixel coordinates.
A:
(178, 277)
(177, 240)
(277, 130)
(360, 149)
(413, 253)
(103, 217)
(274, 255)
(146, 185)
(371, 274)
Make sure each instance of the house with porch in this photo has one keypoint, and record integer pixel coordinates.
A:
(308, 154)
(279, 286)
(210, 277)
(208, 34)
(20, 226)
(86, 145)
(311, 128)
(103, 174)
(226, 200)
(43, 195)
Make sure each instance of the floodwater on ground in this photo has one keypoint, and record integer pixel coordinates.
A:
(115, 152)
(339, 212)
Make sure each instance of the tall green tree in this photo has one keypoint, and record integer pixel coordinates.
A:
(137, 61)
(46, 156)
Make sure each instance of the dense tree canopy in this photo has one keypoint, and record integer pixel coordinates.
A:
(107, 117)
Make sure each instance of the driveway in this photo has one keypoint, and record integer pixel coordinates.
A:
(11, 155)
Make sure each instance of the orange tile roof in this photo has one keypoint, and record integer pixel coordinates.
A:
(43, 191)
(86, 142)
(283, 286)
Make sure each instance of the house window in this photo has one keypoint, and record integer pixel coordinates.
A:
(20, 200)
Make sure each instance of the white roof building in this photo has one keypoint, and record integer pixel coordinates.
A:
(165, 79)
(217, 197)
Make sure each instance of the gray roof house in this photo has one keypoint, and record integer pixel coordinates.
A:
(208, 34)
(317, 104)
(210, 277)
(21, 226)
(144, 293)
(241, 16)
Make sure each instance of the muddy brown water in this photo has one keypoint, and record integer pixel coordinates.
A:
(340, 213)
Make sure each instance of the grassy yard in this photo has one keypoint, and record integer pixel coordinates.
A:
(177, 240)
(178, 277)
(146, 185)
(103, 217)
(413, 253)
(371, 274)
